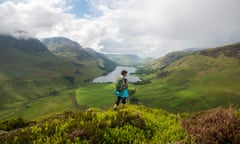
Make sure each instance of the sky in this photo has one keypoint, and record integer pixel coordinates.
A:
(149, 28)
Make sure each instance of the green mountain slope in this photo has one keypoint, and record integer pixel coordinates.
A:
(203, 80)
(92, 61)
(162, 62)
(103, 61)
(29, 58)
(28, 72)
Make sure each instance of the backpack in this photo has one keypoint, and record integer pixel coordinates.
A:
(120, 85)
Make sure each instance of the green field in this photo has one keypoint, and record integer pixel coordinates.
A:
(96, 95)
(92, 95)
(39, 107)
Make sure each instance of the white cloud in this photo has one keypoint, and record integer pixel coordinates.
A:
(31, 16)
(144, 27)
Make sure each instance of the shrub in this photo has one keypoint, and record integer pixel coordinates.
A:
(11, 124)
(133, 124)
(69, 79)
(214, 126)
(123, 118)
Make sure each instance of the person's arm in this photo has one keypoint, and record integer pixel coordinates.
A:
(126, 83)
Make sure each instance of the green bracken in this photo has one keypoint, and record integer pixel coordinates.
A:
(133, 124)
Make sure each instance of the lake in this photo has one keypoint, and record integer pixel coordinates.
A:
(114, 75)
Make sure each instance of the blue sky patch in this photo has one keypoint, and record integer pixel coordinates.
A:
(83, 8)
(80, 8)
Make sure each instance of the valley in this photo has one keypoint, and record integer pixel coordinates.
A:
(178, 82)
(51, 91)
(30, 72)
(119, 72)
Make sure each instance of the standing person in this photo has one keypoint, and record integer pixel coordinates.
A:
(121, 90)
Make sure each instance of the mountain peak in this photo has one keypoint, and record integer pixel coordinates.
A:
(72, 50)
(21, 34)
(59, 41)
(22, 43)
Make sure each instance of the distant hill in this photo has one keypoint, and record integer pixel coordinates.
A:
(232, 51)
(164, 61)
(73, 51)
(102, 59)
(192, 82)
(125, 59)
(29, 71)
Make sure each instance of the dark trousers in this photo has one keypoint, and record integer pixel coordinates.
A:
(123, 99)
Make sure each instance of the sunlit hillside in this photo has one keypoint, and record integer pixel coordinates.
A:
(202, 80)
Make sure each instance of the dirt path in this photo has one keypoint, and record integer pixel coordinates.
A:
(74, 101)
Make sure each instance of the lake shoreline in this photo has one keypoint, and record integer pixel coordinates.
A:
(116, 73)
